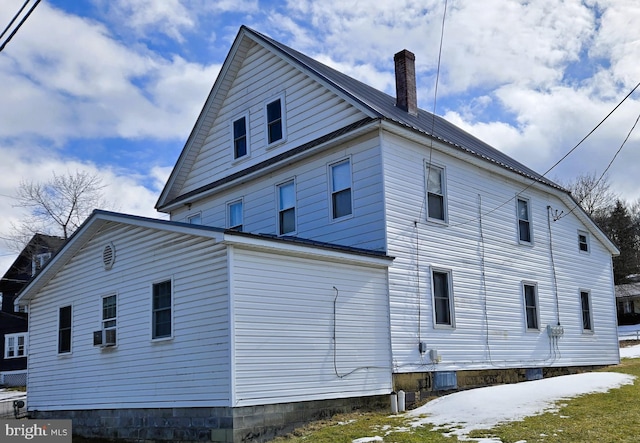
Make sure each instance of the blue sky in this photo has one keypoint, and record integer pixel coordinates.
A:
(115, 86)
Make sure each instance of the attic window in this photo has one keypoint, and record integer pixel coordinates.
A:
(276, 131)
(108, 256)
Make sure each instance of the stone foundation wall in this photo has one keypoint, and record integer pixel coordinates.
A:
(219, 425)
(419, 386)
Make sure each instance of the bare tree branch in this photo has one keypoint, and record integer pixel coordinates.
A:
(57, 206)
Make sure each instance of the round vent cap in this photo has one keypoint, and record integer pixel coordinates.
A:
(108, 256)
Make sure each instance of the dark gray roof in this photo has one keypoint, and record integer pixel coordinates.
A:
(384, 106)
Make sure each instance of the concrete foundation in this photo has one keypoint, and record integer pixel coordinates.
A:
(263, 423)
(219, 425)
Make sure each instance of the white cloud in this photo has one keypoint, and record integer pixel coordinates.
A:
(169, 17)
(73, 80)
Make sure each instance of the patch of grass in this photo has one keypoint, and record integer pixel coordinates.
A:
(344, 428)
(611, 417)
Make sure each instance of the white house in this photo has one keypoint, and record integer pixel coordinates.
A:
(328, 244)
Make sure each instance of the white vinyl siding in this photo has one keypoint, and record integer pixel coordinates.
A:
(489, 266)
(296, 347)
(192, 369)
(311, 112)
(365, 228)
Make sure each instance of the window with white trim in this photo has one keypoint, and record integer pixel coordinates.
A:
(585, 306)
(583, 241)
(109, 311)
(286, 208)
(240, 136)
(524, 220)
(436, 193)
(64, 330)
(274, 111)
(15, 345)
(530, 295)
(234, 215)
(162, 310)
(195, 219)
(341, 203)
(442, 297)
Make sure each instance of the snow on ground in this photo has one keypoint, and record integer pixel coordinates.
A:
(630, 352)
(484, 408)
(9, 395)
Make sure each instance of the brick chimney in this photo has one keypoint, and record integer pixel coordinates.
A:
(406, 97)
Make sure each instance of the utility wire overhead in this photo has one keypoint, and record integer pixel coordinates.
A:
(19, 25)
(564, 157)
(595, 185)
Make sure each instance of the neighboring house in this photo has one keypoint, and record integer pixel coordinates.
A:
(14, 338)
(628, 302)
(328, 244)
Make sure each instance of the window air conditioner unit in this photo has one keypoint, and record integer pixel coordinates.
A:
(104, 337)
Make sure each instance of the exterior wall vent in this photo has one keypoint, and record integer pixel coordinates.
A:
(445, 380)
(108, 256)
(533, 374)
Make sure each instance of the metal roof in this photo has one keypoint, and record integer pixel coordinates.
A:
(384, 106)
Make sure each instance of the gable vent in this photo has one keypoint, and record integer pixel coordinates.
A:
(108, 256)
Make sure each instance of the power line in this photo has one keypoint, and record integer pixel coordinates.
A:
(24, 5)
(595, 185)
(19, 24)
(534, 181)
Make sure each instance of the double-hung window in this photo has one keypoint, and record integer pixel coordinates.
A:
(524, 220)
(161, 315)
(240, 137)
(234, 214)
(442, 298)
(585, 304)
(436, 196)
(15, 345)
(109, 311)
(341, 189)
(275, 121)
(64, 330)
(286, 208)
(583, 241)
(530, 292)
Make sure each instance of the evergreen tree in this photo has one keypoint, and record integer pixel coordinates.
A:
(623, 230)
